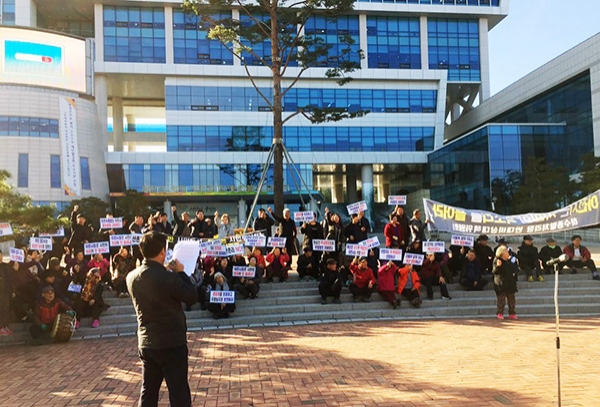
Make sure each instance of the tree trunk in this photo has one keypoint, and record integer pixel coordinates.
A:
(277, 115)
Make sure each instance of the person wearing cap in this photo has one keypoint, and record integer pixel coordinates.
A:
(579, 257)
(80, 232)
(549, 252)
(471, 277)
(263, 223)
(308, 265)
(288, 229)
(331, 283)
(364, 280)
(529, 260)
(45, 313)
(484, 254)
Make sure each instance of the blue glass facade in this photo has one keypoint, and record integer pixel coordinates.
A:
(393, 42)
(214, 98)
(23, 171)
(485, 3)
(311, 138)
(192, 46)
(28, 127)
(7, 12)
(454, 45)
(85, 174)
(55, 171)
(262, 49)
(331, 31)
(134, 34)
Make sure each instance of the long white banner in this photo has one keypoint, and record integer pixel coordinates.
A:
(70, 165)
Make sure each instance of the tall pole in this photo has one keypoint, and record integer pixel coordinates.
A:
(557, 331)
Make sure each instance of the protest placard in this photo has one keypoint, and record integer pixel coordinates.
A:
(74, 288)
(5, 229)
(413, 258)
(95, 248)
(370, 242)
(397, 200)
(60, 232)
(259, 240)
(120, 240)
(434, 247)
(234, 248)
(356, 250)
(17, 255)
(458, 240)
(305, 216)
(222, 297)
(186, 252)
(321, 245)
(390, 254)
(111, 223)
(40, 243)
(276, 241)
(243, 271)
(356, 207)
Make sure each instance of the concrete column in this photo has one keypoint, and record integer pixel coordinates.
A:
(169, 52)
(242, 209)
(235, 14)
(595, 90)
(484, 59)
(25, 13)
(366, 176)
(167, 209)
(117, 109)
(362, 25)
(99, 33)
(455, 113)
(100, 89)
(424, 40)
(130, 122)
(351, 195)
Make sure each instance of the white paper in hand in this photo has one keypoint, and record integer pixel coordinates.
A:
(187, 252)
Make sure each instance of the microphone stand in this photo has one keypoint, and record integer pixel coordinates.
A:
(557, 329)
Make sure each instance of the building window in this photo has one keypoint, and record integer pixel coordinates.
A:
(454, 46)
(85, 174)
(191, 44)
(55, 171)
(331, 31)
(7, 12)
(23, 176)
(134, 34)
(393, 42)
(28, 127)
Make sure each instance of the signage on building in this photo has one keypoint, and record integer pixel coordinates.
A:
(70, 164)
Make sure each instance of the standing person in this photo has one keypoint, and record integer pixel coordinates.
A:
(288, 230)
(224, 227)
(263, 223)
(5, 297)
(181, 225)
(404, 224)
(197, 226)
(80, 232)
(157, 294)
(394, 235)
(505, 283)
(484, 253)
(579, 256)
(417, 227)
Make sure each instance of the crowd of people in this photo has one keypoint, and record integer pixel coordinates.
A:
(64, 279)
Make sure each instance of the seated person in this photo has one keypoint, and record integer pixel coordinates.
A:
(308, 265)
(123, 263)
(373, 260)
(78, 267)
(409, 284)
(248, 287)
(25, 286)
(431, 274)
(549, 252)
(260, 259)
(529, 260)
(331, 283)
(5, 296)
(223, 266)
(61, 275)
(99, 262)
(415, 247)
(457, 259)
(91, 303)
(278, 264)
(364, 280)
(579, 256)
(47, 277)
(471, 276)
(46, 312)
(385, 283)
(219, 283)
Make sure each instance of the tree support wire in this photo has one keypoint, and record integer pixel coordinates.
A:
(290, 162)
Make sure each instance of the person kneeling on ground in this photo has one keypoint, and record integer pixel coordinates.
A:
(364, 280)
(219, 310)
(385, 283)
(46, 312)
(431, 274)
(579, 256)
(471, 276)
(331, 283)
(409, 285)
(91, 303)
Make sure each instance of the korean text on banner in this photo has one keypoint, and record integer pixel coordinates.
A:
(111, 223)
(70, 164)
(370, 242)
(390, 254)
(397, 200)
(458, 240)
(40, 243)
(255, 240)
(321, 245)
(222, 297)
(276, 241)
(96, 248)
(356, 250)
(434, 247)
(356, 207)
(413, 258)
(120, 240)
(5, 229)
(305, 216)
(243, 271)
(17, 255)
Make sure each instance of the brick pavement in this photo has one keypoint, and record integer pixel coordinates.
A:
(392, 363)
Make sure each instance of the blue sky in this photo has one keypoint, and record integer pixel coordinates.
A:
(535, 32)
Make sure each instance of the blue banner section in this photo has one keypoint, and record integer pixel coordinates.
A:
(580, 214)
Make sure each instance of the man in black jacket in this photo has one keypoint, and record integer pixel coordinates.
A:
(80, 232)
(157, 294)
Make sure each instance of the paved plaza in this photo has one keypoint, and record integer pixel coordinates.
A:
(393, 363)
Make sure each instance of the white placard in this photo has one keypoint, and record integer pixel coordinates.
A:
(168, 256)
(74, 288)
(305, 216)
(120, 240)
(463, 240)
(276, 241)
(135, 239)
(397, 200)
(242, 271)
(255, 240)
(357, 207)
(60, 232)
(390, 254)
(69, 158)
(356, 250)
(233, 249)
(222, 297)
(370, 242)
(434, 247)
(5, 229)
(111, 223)
(323, 245)
(40, 243)
(95, 248)
(207, 245)
(186, 252)
(17, 255)
(413, 258)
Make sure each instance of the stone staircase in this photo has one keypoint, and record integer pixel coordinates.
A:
(298, 303)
